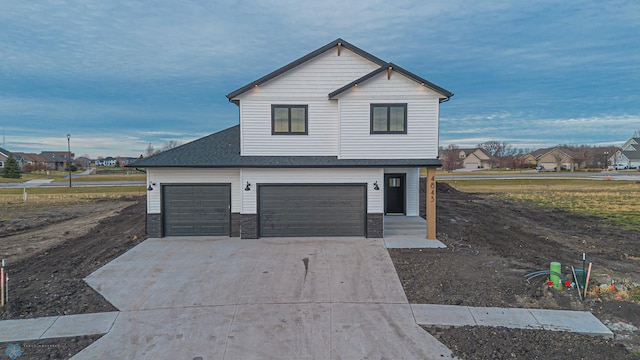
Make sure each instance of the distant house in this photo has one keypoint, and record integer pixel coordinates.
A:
(82, 162)
(476, 158)
(4, 155)
(108, 161)
(556, 158)
(528, 160)
(56, 159)
(629, 154)
(30, 161)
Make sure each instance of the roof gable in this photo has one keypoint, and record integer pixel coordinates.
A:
(339, 43)
(391, 67)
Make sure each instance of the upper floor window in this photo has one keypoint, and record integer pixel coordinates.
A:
(289, 119)
(388, 118)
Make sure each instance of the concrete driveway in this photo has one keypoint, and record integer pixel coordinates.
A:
(278, 298)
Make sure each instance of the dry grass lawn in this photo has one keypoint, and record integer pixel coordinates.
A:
(616, 201)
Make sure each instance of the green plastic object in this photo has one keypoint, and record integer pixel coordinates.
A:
(581, 278)
(555, 267)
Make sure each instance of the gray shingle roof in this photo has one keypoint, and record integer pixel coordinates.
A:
(222, 150)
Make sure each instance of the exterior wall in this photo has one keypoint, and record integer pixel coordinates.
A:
(249, 226)
(375, 198)
(154, 225)
(164, 176)
(375, 225)
(549, 161)
(421, 139)
(308, 84)
(472, 162)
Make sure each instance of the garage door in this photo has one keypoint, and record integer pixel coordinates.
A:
(312, 210)
(196, 209)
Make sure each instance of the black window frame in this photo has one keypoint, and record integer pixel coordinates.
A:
(289, 107)
(388, 106)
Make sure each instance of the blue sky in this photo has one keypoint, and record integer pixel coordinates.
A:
(118, 75)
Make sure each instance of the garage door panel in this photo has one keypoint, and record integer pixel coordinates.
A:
(312, 210)
(197, 209)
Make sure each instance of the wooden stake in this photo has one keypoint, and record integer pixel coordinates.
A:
(430, 195)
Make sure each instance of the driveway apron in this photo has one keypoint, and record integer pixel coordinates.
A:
(274, 298)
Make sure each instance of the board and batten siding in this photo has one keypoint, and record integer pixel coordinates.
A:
(421, 139)
(308, 84)
(167, 176)
(313, 176)
(412, 187)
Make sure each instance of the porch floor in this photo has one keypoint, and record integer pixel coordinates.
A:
(402, 232)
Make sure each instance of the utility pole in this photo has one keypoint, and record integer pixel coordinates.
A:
(69, 156)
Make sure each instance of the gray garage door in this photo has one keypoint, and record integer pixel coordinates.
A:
(312, 210)
(196, 209)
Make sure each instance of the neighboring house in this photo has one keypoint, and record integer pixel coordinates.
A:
(30, 161)
(326, 146)
(108, 161)
(82, 161)
(629, 154)
(4, 155)
(476, 158)
(56, 159)
(529, 159)
(550, 158)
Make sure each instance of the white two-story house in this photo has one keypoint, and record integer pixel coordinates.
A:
(326, 146)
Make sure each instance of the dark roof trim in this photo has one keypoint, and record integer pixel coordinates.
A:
(304, 59)
(445, 93)
(390, 163)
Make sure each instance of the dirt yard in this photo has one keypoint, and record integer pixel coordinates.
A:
(491, 243)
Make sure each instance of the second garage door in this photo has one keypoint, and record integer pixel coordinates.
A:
(190, 210)
(312, 210)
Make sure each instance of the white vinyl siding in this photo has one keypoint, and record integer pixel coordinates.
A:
(165, 176)
(312, 176)
(412, 184)
(308, 84)
(421, 139)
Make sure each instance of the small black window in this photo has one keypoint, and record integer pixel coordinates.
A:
(388, 118)
(289, 119)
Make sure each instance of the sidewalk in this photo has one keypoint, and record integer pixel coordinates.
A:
(582, 322)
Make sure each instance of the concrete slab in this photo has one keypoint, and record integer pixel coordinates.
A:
(507, 317)
(442, 315)
(411, 242)
(280, 331)
(184, 333)
(363, 273)
(582, 322)
(25, 329)
(381, 331)
(256, 299)
(81, 324)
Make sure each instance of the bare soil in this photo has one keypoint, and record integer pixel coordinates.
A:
(492, 244)
(50, 250)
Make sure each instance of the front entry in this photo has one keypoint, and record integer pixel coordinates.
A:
(395, 194)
